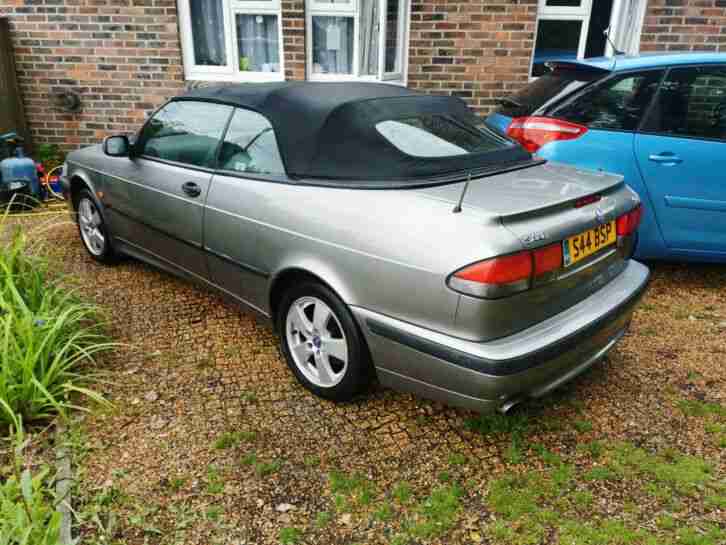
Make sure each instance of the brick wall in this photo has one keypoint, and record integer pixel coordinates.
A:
(293, 36)
(477, 49)
(684, 25)
(122, 56)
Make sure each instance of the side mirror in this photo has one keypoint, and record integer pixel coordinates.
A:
(116, 146)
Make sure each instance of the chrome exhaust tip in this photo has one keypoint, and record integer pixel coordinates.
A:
(508, 405)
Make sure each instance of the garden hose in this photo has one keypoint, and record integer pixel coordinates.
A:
(46, 182)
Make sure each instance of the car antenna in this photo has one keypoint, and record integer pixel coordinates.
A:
(457, 208)
(616, 51)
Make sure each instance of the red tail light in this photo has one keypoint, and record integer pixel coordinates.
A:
(500, 270)
(535, 132)
(507, 274)
(584, 201)
(547, 259)
(628, 223)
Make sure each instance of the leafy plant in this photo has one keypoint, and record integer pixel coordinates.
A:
(46, 336)
(50, 155)
(27, 509)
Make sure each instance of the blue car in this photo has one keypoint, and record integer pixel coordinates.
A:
(657, 119)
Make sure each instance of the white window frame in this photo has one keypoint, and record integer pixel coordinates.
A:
(620, 10)
(351, 9)
(231, 71)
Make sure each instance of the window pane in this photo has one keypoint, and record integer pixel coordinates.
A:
(369, 37)
(208, 32)
(392, 50)
(617, 104)
(332, 45)
(437, 136)
(250, 145)
(557, 40)
(185, 132)
(258, 43)
(691, 102)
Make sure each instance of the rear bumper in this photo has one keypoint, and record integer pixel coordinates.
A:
(530, 363)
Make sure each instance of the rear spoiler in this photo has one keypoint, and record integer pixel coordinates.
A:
(578, 65)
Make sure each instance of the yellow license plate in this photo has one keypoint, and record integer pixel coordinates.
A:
(585, 244)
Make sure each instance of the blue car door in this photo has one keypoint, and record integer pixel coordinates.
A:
(681, 152)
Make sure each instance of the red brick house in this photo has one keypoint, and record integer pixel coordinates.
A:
(125, 57)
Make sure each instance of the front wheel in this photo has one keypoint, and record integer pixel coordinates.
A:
(321, 342)
(93, 230)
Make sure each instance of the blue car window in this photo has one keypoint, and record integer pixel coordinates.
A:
(691, 103)
(618, 103)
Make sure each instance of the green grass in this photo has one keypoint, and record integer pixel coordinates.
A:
(49, 338)
(561, 499)
(691, 407)
(402, 493)
(496, 423)
(290, 535)
(437, 513)
(352, 489)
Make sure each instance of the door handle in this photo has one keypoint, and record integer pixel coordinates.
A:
(665, 158)
(192, 189)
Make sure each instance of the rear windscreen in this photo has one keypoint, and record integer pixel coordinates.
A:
(545, 89)
(433, 136)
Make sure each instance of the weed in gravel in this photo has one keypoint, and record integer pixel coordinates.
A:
(593, 448)
(233, 439)
(177, 483)
(290, 535)
(402, 493)
(323, 518)
(384, 512)
(582, 426)
(437, 513)
(249, 459)
(457, 459)
(495, 423)
(213, 513)
(692, 407)
(215, 482)
(263, 469)
(311, 461)
(354, 489)
(249, 397)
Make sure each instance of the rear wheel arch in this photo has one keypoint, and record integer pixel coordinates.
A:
(287, 278)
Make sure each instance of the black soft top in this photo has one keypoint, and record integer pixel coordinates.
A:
(328, 130)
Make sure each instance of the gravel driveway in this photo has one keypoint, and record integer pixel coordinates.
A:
(212, 440)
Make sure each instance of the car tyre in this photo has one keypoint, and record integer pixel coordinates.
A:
(321, 342)
(93, 230)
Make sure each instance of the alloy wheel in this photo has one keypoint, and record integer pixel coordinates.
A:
(90, 222)
(316, 341)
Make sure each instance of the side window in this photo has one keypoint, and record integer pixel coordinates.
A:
(618, 103)
(250, 145)
(185, 132)
(691, 102)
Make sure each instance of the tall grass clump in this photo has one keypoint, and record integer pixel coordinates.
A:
(48, 336)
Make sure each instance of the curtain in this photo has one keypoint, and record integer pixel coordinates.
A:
(369, 37)
(258, 43)
(332, 45)
(208, 32)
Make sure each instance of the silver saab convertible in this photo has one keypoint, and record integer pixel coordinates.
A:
(383, 232)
